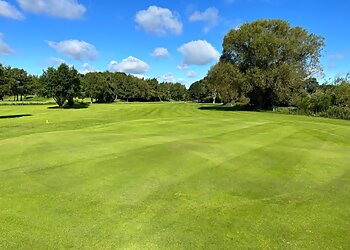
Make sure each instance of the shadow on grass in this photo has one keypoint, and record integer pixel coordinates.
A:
(13, 116)
(229, 108)
(74, 106)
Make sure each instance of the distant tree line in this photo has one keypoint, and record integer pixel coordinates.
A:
(64, 84)
(16, 82)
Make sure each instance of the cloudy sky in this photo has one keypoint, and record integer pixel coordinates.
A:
(171, 40)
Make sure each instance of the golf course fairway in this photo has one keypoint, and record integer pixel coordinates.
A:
(172, 176)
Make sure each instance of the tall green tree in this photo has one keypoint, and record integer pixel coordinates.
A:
(226, 82)
(178, 92)
(20, 83)
(62, 84)
(274, 58)
(199, 91)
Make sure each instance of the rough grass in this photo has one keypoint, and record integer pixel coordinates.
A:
(172, 176)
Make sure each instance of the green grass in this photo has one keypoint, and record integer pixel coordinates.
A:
(170, 176)
(8, 100)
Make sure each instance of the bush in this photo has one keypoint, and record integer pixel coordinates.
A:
(337, 112)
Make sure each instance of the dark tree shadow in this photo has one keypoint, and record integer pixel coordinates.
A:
(14, 116)
(74, 106)
(229, 108)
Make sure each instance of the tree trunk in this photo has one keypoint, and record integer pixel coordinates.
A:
(21, 97)
(214, 99)
(70, 101)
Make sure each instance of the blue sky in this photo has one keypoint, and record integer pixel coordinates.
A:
(171, 40)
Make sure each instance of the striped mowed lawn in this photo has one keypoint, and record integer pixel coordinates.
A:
(172, 176)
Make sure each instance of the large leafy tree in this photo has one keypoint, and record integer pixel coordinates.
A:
(274, 59)
(62, 84)
(226, 82)
(199, 91)
(19, 81)
(178, 92)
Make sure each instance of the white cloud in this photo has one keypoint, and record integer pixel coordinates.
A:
(57, 61)
(183, 67)
(169, 77)
(210, 16)
(69, 9)
(87, 69)
(75, 49)
(191, 74)
(9, 11)
(160, 52)
(4, 48)
(130, 65)
(181, 80)
(198, 52)
(158, 21)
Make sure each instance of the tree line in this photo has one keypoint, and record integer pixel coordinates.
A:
(267, 64)
(16, 82)
(65, 84)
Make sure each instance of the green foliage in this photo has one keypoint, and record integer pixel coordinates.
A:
(107, 87)
(336, 112)
(62, 84)
(199, 91)
(329, 100)
(178, 92)
(98, 86)
(15, 82)
(226, 82)
(311, 85)
(2, 82)
(267, 61)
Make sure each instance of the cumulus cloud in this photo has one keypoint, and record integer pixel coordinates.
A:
(210, 16)
(87, 68)
(130, 65)
(191, 74)
(69, 9)
(9, 11)
(4, 48)
(56, 61)
(159, 21)
(160, 52)
(75, 49)
(169, 77)
(198, 52)
(183, 67)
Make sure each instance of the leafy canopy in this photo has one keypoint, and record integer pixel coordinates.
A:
(272, 59)
(61, 84)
